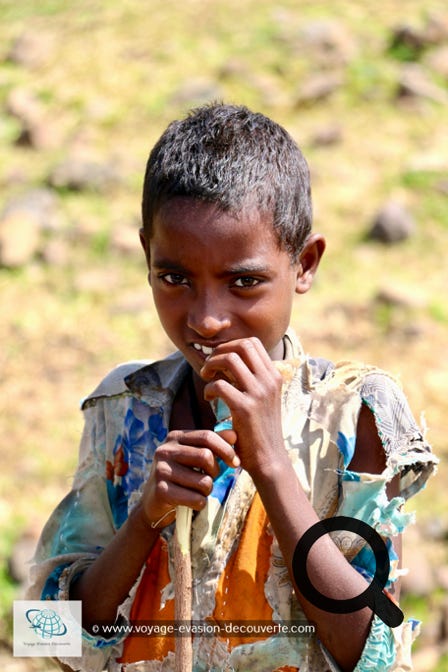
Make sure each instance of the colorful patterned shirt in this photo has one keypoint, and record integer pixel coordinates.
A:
(239, 575)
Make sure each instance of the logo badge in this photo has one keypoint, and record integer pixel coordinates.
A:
(47, 629)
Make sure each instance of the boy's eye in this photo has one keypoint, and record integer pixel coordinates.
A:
(174, 278)
(246, 281)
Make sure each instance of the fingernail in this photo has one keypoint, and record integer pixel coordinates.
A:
(236, 461)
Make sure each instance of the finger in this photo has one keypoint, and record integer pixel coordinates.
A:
(237, 362)
(228, 435)
(249, 349)
(199, 440)
(185, 477)
(176, 495)
(190, 457)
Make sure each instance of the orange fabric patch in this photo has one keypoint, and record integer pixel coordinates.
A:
(146, 608)
(240, 593)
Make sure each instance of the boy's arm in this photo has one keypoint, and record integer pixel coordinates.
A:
(369, 456)
(291, 515)
(104, 585)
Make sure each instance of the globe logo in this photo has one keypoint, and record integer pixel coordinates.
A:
(46, 623)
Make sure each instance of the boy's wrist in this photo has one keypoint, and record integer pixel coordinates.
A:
(272, 470)
(140, 519)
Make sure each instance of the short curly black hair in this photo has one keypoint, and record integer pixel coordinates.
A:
(235, 158)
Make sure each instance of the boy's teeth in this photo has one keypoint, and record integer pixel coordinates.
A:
(203, 348)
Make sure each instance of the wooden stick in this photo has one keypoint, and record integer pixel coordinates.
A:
(182, 564)
(183, 588)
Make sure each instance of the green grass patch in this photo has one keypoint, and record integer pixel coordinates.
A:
(10, 10)
(415, 606)
(423, 179)
(438, 311)
(442, 665)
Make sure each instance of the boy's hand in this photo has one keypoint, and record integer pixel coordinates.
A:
(242, 374)
(183, 471)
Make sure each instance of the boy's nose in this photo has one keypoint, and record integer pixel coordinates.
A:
(206, 320)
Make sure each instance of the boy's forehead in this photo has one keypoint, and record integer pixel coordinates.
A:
(193, 213)
(184, 229)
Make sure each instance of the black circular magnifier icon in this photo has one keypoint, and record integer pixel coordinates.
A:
(372, 596)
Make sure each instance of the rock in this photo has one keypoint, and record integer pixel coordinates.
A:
(19, 239)
(436, 29)
(233, 68)
(318, 87)
(21, 225)
(327, 42)
(31, 49)
(125, 240)
(197, 92)
(437, 61)
(55, 252)
(268, 86)
(398, 298)
(41, 203)
(392, 224)
(23, 104)
(269, 89)
(36, 136)
(407, 42)
(327, 136)
(21, 555)
(414, 83)
(400, 316)
(36, 131)
(82, 174)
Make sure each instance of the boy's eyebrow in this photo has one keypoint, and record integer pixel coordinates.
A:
(244, 268)
(169, 265)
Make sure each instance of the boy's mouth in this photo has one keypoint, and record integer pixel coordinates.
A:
(205, 349)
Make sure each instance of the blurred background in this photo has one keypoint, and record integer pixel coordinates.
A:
(86, 88)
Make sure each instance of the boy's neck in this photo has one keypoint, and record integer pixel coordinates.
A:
(200, 410)
(190, 410)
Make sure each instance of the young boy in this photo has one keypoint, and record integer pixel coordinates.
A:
(228, 243)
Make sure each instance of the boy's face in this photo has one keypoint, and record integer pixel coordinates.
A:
(217, 278)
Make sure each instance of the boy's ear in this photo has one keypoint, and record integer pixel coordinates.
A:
(143, 240)
(145, 244)
(308, 262)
